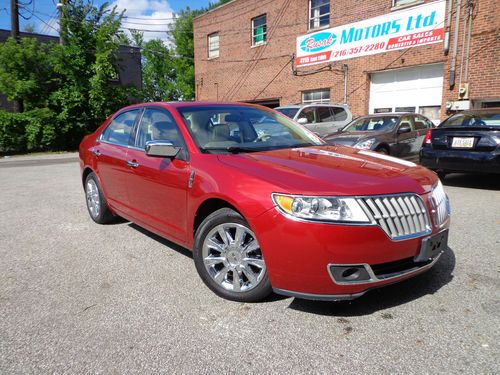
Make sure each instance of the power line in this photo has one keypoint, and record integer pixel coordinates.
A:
(272, 80)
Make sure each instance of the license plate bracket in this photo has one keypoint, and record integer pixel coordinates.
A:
(432, 246)
(462, 142)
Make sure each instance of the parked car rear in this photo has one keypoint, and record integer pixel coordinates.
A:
(464, 142)
(321, 118)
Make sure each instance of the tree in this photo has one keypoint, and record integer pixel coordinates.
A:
(183, 37)
(26, 72)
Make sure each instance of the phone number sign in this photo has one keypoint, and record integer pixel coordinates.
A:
(416, 26)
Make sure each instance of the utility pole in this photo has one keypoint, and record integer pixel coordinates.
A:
(17, 105)
(14, 19)
(60, 7)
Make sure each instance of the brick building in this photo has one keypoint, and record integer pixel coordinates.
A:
(270, 52)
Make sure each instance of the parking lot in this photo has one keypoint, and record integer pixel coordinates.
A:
(77, 297)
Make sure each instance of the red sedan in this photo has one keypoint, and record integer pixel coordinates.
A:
(264, 203)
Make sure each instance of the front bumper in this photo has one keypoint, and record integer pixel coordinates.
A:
(460, 160)
(299, 255)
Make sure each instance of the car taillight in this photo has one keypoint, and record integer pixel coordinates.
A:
(427, 139)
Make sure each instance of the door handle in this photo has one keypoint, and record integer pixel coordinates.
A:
(96, 153)
(132, 164)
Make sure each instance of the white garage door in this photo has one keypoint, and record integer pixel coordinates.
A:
(418, 89)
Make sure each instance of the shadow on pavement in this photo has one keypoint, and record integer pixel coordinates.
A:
(163, 241)
(379, 299)
(474, 181)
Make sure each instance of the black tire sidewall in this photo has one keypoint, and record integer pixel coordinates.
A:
(222, 216)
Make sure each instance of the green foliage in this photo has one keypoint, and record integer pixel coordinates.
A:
(25, 72)
(34, 130)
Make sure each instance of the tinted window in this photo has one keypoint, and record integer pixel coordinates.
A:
(466, 119)
(289, 112)
(421, 123)
(119, 130)
(158, 125)
(339, 114)
(407, 121)
(308, 114)
(324, 114)
(379, 123)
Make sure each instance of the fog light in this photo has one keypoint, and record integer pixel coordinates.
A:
(349, 274)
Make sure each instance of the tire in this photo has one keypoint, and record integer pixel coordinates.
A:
(97, 205)
(238, 255)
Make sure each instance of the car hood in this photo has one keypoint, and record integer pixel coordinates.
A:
(351, 138)
(333, 170)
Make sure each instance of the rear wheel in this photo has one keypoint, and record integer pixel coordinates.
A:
(96, 202)
(228, 258)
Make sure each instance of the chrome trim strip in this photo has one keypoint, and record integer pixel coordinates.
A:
(318, 297)
(374, 278)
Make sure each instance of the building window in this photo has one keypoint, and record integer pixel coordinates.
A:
(399, 3)
(317, 96)
(319, 13)
(259, 30)
(213, 45)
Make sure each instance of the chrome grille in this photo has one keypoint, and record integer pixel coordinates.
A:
(440, 205)
(400, 216)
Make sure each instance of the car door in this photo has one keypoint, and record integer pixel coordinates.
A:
(111, 154)
(325, 121)
(157, 186)
(309, 113)
(406, 142)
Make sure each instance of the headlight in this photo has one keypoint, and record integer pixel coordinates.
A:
(334, 209)
(365, 145)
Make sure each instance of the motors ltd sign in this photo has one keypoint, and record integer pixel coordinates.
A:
(415, 26)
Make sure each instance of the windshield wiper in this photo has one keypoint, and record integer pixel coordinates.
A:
(235, 149)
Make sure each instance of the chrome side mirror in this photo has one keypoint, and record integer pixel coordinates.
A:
(404, 129)
(302, 121)
(162, 149)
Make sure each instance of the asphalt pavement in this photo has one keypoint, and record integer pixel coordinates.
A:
(77, 297)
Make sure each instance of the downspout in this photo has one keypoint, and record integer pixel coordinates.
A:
(446, 47)
(467, 54)
(345, 68)
(455, 46)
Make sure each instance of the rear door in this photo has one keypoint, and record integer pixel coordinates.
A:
(111, 151)
(157, 186)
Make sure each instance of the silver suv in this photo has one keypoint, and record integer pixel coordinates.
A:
(321, 118)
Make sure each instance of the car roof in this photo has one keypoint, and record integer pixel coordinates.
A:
(302, 105)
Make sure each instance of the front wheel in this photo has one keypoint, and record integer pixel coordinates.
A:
(228, 258)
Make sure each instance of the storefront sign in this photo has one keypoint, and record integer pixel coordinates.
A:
(415, 26)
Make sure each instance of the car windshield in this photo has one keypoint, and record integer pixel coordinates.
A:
(467, 119)
(288, 112)
(231, 128)
(379, 123)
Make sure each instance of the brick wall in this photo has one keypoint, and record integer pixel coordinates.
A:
(244, 73)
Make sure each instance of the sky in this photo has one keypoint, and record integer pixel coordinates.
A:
(151, 15)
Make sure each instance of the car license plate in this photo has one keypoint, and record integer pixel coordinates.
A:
(461, 142)
(432, 246)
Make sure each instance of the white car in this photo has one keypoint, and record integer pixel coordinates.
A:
(321, 118)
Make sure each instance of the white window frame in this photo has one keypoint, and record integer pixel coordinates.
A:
(264, 41)
(315, 19)
(404, 3)
(213, 47)
(323, 98)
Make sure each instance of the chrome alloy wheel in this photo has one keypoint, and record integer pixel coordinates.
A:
(232, 257)
(93, 198)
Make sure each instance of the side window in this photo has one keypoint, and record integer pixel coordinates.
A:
(308, 114)
(324, 114)
(420, 123)
(407, 120)
(339, 114)
(119, 130)
(158, 125)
